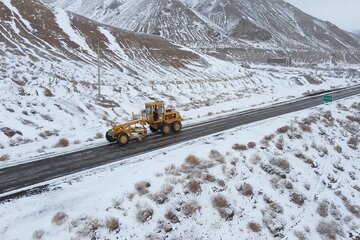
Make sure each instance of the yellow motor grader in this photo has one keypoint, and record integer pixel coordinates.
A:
(155, 115)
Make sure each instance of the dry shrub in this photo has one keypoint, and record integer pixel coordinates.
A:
(167, 188)
(192, 160)
(305, 127)
(245, 189)
(354, 118)
(353, 142)
(216, 156)
(219, 201)
(274, 206)
(48, 93)
(283, 129)
(288, 184)
(4, 158)
(112, 224)
(209, 178)
(300, 235)
(329, 229)
(323, 209)
(159, 197)
(255, 159)
(99, 135)
(267, 139)
(194, 186)
(356, 105)
(190, 208)
(77, 142)
(144, 213)
(221, 183)
(172, 217)
(59, 218)
(297, 198)
(239, 147)
(38, 234)
(255, 227)
(281, 163)
(338, 148)
(142, 187)
(86, 226)
(251, 145)
(47, 117)
(63, 142)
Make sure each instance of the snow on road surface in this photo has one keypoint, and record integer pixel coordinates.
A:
(294, 176)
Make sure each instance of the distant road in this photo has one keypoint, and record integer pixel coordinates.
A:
(27, 174)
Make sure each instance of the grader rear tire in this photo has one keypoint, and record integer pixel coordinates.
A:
(110, 136)
(165, 129)
(122, 139)
(176, 126)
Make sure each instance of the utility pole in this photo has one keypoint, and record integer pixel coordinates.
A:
(98, 53)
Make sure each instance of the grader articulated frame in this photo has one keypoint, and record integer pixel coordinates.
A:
(155, 116)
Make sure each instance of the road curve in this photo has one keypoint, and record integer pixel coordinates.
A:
(27, 174)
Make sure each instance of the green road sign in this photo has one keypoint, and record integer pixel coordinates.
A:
(327, 98)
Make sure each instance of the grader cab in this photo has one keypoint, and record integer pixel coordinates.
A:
(155, 115)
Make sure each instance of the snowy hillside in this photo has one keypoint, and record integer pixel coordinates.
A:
(291, 177)
(223, 24)
(49, 81)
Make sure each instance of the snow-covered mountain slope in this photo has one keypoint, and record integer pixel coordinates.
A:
(265, 24)
(291, 177)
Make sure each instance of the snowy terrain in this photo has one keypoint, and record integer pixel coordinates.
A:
(271, 27)
(48, 83)
(293, 177)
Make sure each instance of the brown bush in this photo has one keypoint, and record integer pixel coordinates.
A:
(167, 188)
(59, 218)
(4, 158)
(112, 224)
(221, 183)
(305, 127)
(77, 142)
(255, 159)
(194, 186)
(356, 105)
(99, 135)
(255, 227)
(323, 209)
(338, 148)
(297, 199)
(267, 139)
(216, 156)
(192, 160)
(245, 189)
(353, 142)
(353, 119)
(172, 217)
(329, 229)
(219, 201)
(47, 117)
(209, 178)
(142, 187)
(144, 214)
(38, 234)
(239, 147)
(283, 129)
(48, 93)
(251, 145)
(159, 197)
(281, 163)
(190, 208)
(63, 142)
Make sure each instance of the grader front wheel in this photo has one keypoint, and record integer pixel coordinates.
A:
(122, 139)
(110, 136)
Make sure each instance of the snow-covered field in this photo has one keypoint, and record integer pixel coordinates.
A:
(295, 176)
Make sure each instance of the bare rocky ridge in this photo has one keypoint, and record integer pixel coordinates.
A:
(217, 26)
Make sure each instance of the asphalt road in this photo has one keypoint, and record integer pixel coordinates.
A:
(28, 174)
